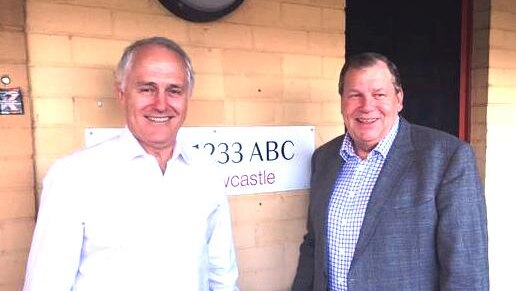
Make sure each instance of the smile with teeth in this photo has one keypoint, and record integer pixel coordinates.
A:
(367, 120)
(158, 119)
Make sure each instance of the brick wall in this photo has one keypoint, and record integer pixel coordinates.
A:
(272, 62)
(501, 140)
(16, 151)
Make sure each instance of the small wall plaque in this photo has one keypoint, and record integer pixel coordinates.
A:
(11, 101)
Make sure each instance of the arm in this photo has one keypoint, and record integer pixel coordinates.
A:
(223, 272)
(304, 278)
(303, 281)
(56, 246)
(462, 226)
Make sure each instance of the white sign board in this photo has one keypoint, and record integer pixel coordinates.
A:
(253, 159)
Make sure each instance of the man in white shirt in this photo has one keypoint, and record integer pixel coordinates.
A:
(140, 211)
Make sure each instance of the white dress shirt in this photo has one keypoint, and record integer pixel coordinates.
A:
(109, 219)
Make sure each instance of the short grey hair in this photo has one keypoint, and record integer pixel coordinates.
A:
(128, 55)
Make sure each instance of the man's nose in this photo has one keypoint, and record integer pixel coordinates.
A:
(160, 101)
(368, 103)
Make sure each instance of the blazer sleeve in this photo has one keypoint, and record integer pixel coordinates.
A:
(462, 228)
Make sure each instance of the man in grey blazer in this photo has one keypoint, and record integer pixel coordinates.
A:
(393, 206)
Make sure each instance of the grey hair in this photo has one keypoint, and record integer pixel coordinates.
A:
(369, 59)
(128, 55)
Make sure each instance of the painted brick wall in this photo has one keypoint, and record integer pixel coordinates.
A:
(272, 62)
(500, 141)
(16, 153)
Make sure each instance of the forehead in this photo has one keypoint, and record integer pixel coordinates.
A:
(156, 57)
(376, 74)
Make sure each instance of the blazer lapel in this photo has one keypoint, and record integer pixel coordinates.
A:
(399, 158)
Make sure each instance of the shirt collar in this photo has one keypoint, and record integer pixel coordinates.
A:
(133, 149)
(381, 148)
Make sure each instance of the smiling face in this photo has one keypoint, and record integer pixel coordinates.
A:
(369, 105)
(154, 94)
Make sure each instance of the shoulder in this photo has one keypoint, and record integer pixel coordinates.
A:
(432, 143)
(331, 146)
(91, 158)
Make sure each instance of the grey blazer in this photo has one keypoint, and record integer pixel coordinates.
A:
(425, 226)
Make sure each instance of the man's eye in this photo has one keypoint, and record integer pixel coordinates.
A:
(175, 91)
(379, 96)
(146, 90)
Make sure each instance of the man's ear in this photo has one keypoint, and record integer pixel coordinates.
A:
(119, 93)
(399, 95)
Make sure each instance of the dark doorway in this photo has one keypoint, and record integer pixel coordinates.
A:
(423, 38)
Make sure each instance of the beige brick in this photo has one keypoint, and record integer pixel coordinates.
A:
(502, 77)
(266, 207)
(325, 133)
(13, 268)
(303, 112)
(16, 234)
(502, 59)
(57, 18)
(333, 20)
(55, 140)
(51, 111)
(59, 82)
(12, 47)
(301, 16)
(257, 12)
(124, 5)
(209, 87)
(221, 35)
(503, 20)
(479, 95)
(324, 90)
(503, 39)
(244, 235)
(16, 142)
(296, 89)
(502, 95)
(205, 60)
(260, 258)
(11, 13)
(267, 87)
(302, 66)
(326, 44)
(331, 69)
(49, 49)
(329, 3)
(98, 112)
(264, 280)
(10, 286)
(273, 39)
(20, 174)
(229, 112)
(236, 62)
(18, 74)
(95, 51)
(16, 205)
(256, 112)
(331, 112)
(504, 5)
(205, 113)
(502, 116)
(277, 232)
(137, 25)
